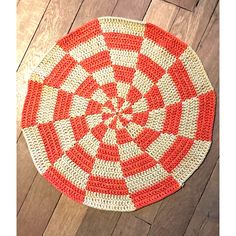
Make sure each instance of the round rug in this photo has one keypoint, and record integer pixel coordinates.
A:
(118, 114)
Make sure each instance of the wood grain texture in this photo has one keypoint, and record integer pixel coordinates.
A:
(186, 4)
(98, 222)
(130, 225)
(176, 211)
(131, 9)
(29, 14)
(205, 220)
(208, 51)
(66, 218)
(148, 213)
(190, 26)
(88, 11)
(37, 208)
(68, 211)
(26, 172)
(162, 14)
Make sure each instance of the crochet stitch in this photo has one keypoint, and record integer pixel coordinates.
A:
(118, 114)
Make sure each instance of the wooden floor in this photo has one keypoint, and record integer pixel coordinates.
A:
(41, 209)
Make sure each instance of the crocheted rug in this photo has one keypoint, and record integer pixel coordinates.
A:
(118, 114)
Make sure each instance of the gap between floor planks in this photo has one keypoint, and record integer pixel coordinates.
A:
(188, 5)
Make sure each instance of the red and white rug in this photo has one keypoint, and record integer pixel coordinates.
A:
(118, 114)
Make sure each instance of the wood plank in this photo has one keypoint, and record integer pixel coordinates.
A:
(190, 26)
(26, 172)
(131, 9)
(61, 218)
(66, 218)
(130, 225)
(210, 51)
(98, 222)
(161, 13)
(205, 220)
(148, 213)
(37, 208)
(88, 11)
(177, 210)
(55, 23)
(186, 4)
(28, 15)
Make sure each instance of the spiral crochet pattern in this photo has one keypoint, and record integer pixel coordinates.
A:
(118, 114)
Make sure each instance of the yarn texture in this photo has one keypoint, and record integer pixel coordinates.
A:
(118, 114)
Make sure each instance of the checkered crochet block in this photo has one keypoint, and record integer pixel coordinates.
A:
(118, 114)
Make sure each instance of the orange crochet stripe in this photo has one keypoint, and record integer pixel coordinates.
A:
(32, 101)
(81, 35)
(155, 192)
(60, 71)
(51, 141)
(107, 185)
